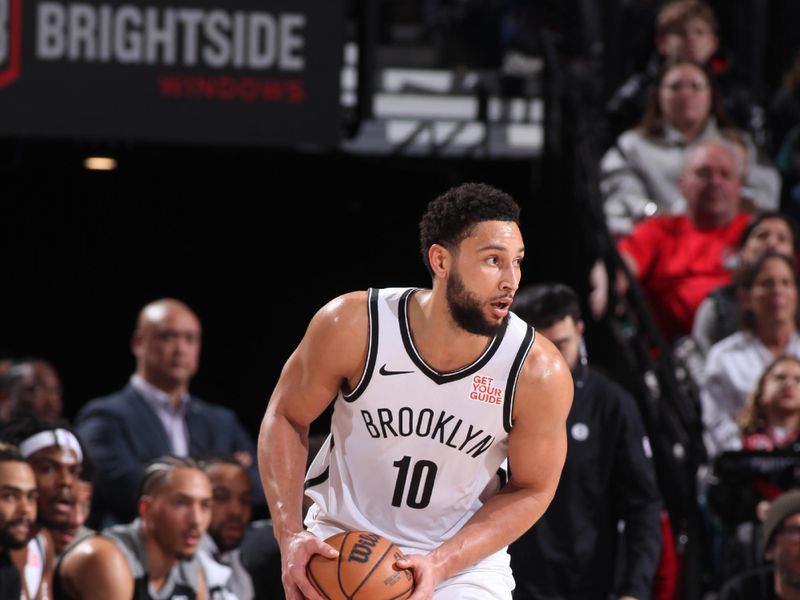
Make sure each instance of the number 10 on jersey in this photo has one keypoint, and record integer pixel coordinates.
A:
(420, 489)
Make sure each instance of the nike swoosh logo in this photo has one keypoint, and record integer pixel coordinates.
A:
(383, 371)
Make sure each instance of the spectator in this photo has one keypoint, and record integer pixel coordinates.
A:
(249, 549)
(230, 515)
(158, 554)
(679, 259)
(639, 174)
(716, 316)
(771, 415)
(608, 477)
(31, 387)
(770, 421)
(768, 330)
(17, 515)
(788, 161)
(155, 414)
(56, 456)
(784, 108)
(685, 29)
(75, 530)
(781, 535)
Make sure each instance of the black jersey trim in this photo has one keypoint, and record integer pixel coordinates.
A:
(372, 348)
(430, 372)
(321, 478)
(513, 376)
(502, 475)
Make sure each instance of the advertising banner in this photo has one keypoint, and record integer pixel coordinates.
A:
(263, 72)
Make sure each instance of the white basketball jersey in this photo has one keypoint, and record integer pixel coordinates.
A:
(411, 449)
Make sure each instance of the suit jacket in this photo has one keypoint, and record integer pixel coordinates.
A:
(122, 433)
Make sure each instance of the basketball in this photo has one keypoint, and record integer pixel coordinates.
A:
(364, 569)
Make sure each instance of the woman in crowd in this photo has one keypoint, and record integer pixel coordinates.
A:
(770, 421)
(768, 329)
(639, 174)
(716, 316)
(771, 416)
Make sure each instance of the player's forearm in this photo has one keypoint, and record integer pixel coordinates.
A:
(282, 456)
(504, 517)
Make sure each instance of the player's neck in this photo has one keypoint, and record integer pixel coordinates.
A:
(442, 343)
(159, 563)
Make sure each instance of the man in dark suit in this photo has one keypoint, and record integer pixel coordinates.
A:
(155, 415)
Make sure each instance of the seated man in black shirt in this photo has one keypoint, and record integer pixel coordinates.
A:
(608, 477)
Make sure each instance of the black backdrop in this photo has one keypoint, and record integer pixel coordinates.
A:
(255, 241)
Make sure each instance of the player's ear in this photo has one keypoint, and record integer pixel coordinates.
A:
(145, 503)
(440, 259)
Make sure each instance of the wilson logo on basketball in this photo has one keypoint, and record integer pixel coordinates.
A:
(362, 549)
(484, 390)
(10, 43)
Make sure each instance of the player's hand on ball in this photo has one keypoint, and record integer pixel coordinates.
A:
(426, 575)
(298, 550)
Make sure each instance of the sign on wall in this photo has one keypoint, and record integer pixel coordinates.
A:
(232, 71)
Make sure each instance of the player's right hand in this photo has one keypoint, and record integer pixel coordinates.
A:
(296, 551)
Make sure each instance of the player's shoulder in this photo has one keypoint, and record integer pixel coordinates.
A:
(91, 555)
(96, 568)
(340, 326)
(346, 305)
(544, 360)
(347, 312)
(545, 373)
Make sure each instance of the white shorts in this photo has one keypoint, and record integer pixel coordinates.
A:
(490, 579)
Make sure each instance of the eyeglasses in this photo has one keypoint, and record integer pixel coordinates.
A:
(697, 85)
(792, 532)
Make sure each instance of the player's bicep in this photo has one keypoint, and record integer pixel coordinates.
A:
(332, 352)
(538, 440)
(97, 570)
(303, 390)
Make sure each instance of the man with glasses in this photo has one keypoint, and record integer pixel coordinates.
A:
(781, 579)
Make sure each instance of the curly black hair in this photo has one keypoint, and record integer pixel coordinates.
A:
(450, 218)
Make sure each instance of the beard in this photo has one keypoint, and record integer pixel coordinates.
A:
(225, 544)
(185, 556)
(466, 309)
(10, 542)
(44, 520)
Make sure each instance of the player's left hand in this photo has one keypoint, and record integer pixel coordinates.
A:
(426, 575)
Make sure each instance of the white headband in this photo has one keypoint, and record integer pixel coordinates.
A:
(51, 437)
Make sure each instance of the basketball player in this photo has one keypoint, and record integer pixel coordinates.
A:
(433, 390)
(156, 556)
(17, 516)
